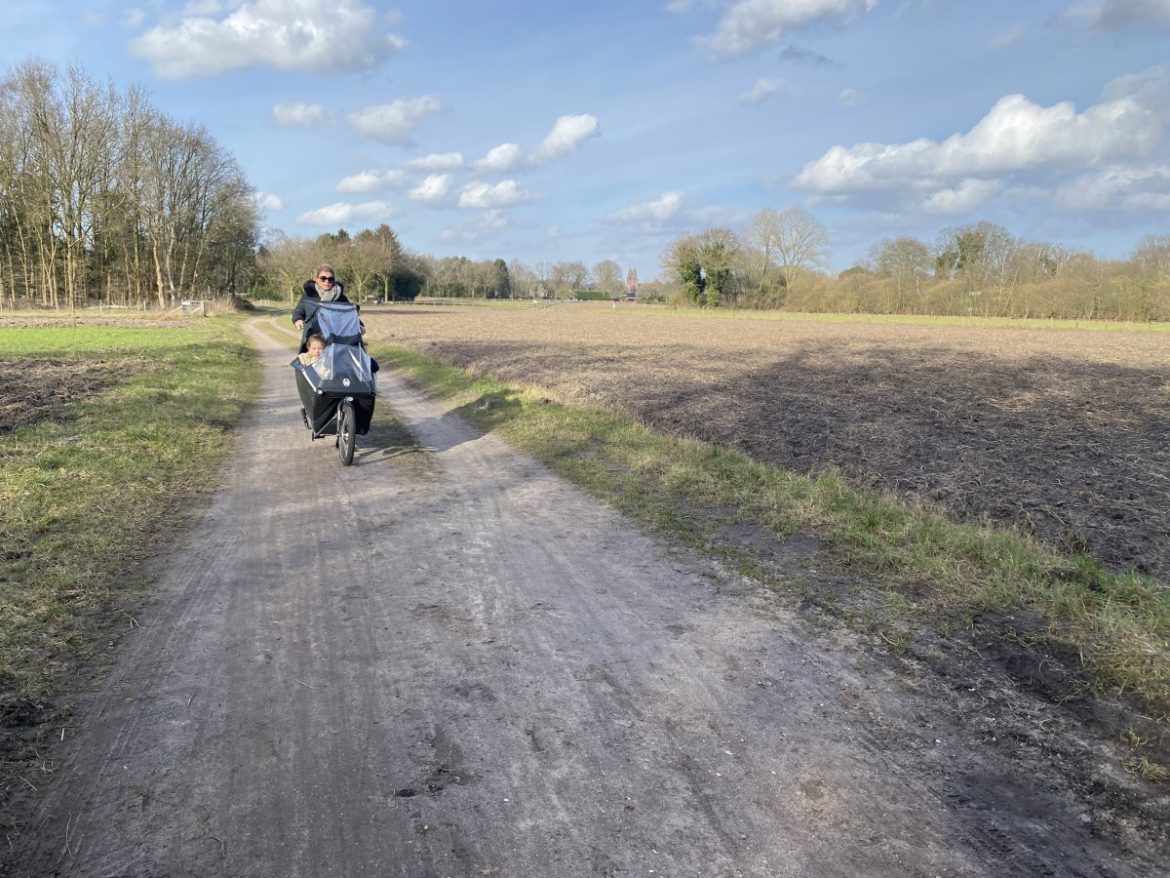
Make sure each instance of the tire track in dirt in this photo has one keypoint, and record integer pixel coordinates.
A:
(451, 663)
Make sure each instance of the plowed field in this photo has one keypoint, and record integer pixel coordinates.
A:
(1061, 433)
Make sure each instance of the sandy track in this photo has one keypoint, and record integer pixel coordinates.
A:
(450, 663)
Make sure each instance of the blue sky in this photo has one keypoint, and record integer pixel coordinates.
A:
(604, 130)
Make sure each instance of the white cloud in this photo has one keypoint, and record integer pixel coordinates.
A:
(1121, 14)
(752, 23)
(1015, 135)
(479, 227)
(849, 97)
(761, 91)
(661, 208)
(301, 36)
(267, 201)
(680, 7)
(500, 158)
(392, 122)
(338, 214)
(806, 57)
(493, 219)
(438, 161)
(204, 7)
(1008, 38)
(371, 181)
(719, 215)
(299, 115)
(908, 7)
(964, 198)
(567, 134)
(1150, 88)
(1153, 201)
(1082, 13)
(1119, 188)
(433, 189)
(133, 18)
(486, 195)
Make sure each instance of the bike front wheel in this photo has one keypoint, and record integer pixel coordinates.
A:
(345, 432)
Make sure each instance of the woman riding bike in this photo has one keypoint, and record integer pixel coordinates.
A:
(322, 287)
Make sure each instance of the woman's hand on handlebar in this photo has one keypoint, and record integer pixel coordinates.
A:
(299, 324)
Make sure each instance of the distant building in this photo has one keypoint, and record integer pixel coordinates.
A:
(631, 284)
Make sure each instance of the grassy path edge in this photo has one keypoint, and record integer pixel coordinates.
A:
(99, 488)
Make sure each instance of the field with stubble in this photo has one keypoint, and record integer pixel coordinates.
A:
(1062, 433)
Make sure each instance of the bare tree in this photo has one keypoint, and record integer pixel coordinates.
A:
(1152, 257)
(607, 275)
(393, 264)
(791, 240)
(981, 254)
(524, 279)
(544, 277)
(288, 262)
(907, 262)
(1042, 261)
(103, 197)
(568, 277)
(34, 118)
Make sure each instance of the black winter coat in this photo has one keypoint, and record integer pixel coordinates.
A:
(306, 309)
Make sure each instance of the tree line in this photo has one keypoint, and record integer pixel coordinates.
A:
(371, 264)
(374, 265)
(778, 262)
(105, 200)
(977, 269)
(459, 276)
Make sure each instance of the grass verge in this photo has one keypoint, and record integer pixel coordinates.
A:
(93, 484)
(915, 567)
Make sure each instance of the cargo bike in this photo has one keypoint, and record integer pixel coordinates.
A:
(337, 391)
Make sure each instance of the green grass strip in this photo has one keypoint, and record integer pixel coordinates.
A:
(927, 566)
(104, 480)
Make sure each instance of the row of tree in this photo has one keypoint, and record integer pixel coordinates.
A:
(779, 262)
(755, 269)
(103, 199)
(374, 265)
(371, 264)
(497, 279)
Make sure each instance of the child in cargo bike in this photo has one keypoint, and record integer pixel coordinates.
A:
(314, 348)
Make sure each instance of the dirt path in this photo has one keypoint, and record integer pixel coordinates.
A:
(448, 662)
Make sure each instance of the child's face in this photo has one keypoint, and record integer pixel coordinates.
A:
(316, 348)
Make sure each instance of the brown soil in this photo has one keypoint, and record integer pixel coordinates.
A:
(1059, 433)
(35, 390)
